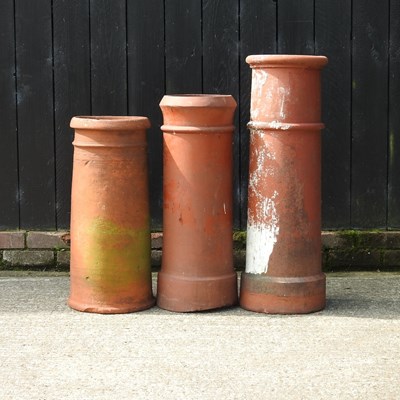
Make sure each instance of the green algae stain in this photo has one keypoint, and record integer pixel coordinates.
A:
(351, 236)
(117, 256)
(239, 239)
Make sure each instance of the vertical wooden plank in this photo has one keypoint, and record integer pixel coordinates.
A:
(221, 68)
(35, 113)
(108, 57)
(146, 78)
(369, 113)
(394, 119)
(257, 36)
(333, 39)
(9, 204)
(71, 90)
(296, 26)
(183, 67)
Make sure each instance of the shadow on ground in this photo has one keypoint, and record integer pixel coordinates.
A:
(358, 295)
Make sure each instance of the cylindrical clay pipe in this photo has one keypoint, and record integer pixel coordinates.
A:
(110, 232)
(197, 264)
(283, 257)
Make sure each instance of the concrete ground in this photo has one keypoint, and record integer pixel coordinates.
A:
(351, 350)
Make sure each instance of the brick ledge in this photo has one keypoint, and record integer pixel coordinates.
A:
(341, 250)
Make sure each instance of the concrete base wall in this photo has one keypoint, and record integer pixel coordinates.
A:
(341, 250)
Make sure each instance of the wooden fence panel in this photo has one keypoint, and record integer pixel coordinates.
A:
(296, 26)
(146, 84)
(108, 57)
(65, 57)
(183, 67)
(35, 113)
(257, 36)
(369, 114)
(71, 90)
(332, 37)
(394, 119)
(221, 69)
(9, 197)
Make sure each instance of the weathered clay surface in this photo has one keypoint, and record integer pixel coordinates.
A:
(110, 246)
(197, 265)
(283, 257)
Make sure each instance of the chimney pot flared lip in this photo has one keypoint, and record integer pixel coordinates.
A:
(286, 61)
(198, 100)
(110, 122)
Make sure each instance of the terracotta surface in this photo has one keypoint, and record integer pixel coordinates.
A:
(283, 256)
(197, 264)
(110, 234)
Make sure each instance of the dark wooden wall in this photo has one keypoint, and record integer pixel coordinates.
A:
(61, 58)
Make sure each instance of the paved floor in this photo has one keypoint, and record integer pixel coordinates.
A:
(351, 350)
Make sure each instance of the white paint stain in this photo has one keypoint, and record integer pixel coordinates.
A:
(259, 79)
(262, 236)
(279, 125)
(284, 94)
(263, 221)
(224, 209)
(261, 154)
(254, 112)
